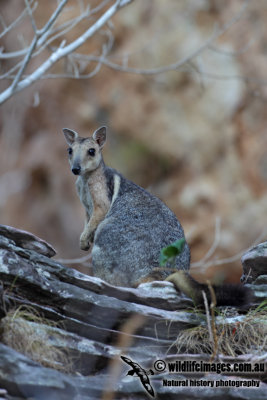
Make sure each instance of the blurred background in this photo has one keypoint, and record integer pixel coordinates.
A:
(196, 137)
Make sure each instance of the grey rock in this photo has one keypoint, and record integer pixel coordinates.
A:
(254, 263)
(81, 352)
(27, 379)
(259, 291)
(27, 240)
(23, 377)
(88, 306)
(261, 280)
(93, 317)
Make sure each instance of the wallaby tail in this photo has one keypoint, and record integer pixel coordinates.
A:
(226, 295)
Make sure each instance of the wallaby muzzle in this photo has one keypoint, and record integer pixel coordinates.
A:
(76, 169)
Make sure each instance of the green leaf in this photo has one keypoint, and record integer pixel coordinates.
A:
(168, 253)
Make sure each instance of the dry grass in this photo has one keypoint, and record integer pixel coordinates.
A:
(246, 336)
(24, 330)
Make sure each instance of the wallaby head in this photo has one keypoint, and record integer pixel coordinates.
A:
(85, 153)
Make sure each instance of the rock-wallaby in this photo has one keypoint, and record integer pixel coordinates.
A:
(127, 226)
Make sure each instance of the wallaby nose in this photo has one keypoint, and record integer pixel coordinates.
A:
(76, 170)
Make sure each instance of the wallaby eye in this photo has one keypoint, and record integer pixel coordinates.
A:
(70, 151)
(91, 152)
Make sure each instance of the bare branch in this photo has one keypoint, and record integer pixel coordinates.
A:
(13, 54)
(9, 73)
(45, 31)
(24, 65)
(99, 7)
(124, 68)
(38, 34)
(234, 53)
(29, 10)
(79, 260)
(162, 69)
(236, 18)
(16, 21)
(207, 311)
(43, 41)
(60, 52)
(215, 243)
(53, 18)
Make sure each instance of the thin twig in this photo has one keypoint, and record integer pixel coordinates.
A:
(150, 71)
(213, 321)
(45, 31)
(124, 342)
(215, 243)
(58, 31)
(99, 7)
(80, 260)
(234, 53)
(24, 65)
(38, 34)
(207, 310)
(53, 18)
(204, 266)
(17, 20)
(29, 11)
(174, 66)
(9, 73)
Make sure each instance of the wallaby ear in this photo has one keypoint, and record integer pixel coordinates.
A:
(100, 136)
(70, 135)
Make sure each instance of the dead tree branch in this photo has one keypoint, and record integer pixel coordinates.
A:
(20, 82)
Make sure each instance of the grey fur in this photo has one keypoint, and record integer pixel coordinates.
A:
(127, 242)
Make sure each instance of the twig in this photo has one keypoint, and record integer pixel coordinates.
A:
(215, 243)
(38, 34)
(24, 65)
(17, 20)
(53, 18)
(213, 322)
(80, 260)
(45, 31)
(205, 264)
(207, 310)
(234, 53)
(151, 71)
(62, 29)
(125, 339)
(29, 10)
(99, 7)
(171, 67)
(244, 78)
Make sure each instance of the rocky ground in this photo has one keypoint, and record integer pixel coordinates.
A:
(196, 141)
(62, 332)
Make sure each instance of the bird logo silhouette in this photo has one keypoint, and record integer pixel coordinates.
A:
(141, 373)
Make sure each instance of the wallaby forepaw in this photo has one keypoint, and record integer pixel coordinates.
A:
(84, 242)
(84, 246)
